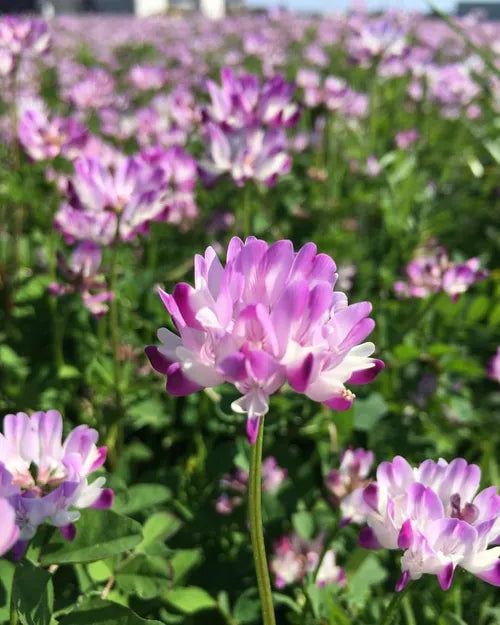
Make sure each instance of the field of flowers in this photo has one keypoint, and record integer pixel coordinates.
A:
(294, 224)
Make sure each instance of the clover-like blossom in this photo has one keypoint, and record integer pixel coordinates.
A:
(9, 532)
(236, 484)
(494, 366)
(45, 479)
(96, 90)
(246, 154)
(435, 515)
(346, 485)
(21, 37)
(406, 138)
(147, 77)
(83, 276)
(294, 558)
(122, 198)
(268, 317)
(378, 38)
(241, 102)
(45, 138)
(244, 128)
(434, 272)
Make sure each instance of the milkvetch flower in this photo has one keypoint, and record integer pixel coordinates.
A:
(46, 479)
(435, 515)
(494, 366)
(434, 271)
(294, 558)
(268, 317)
(346, 485)
(236, 484)
(9, 532)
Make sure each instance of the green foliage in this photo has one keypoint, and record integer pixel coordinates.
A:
(163, 554)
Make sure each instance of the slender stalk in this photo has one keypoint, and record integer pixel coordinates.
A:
(256, 530)
(13, 618)
(114, 321)
(247, 217)
(408, 611)
(115, 432)
(394, 606)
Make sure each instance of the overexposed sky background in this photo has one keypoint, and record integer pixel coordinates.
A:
(341, 5)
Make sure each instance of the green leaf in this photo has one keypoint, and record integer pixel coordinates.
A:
(6, 576)
(247, 609)
(370, 572)
(140, 497)
(478, 309)
(32, 594)
(100, 534)
(190, 599)
(183, 560)
(145, 576)
(303, 522)
(98, 612)
(369, 411)
(68, 372)
(281, 599)
(33, 289)
(101, 571)
(159, 526)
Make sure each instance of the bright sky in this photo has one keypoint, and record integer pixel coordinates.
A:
(340, 5)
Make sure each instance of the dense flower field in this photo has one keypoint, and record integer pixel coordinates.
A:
(294, 224)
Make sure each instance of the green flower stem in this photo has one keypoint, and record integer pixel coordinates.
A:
(394, 606)
(256, 533)
(114, 320)
(115, 432)
(13, 618)
(247, 216)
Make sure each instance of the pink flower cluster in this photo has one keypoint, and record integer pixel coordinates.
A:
(433, 514)
(20, 37)
(378, 38)
(434, 272)
(294, 558)
(335, 94)
(9, 532)
(122, 198)
(236, 485)
(244, 128)
(346, 485)
(44, 137)
(83, 277)
(494, 366)
(268, 317)
(43, 479)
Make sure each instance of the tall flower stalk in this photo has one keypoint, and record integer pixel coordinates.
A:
(256, 530)
(269, 316)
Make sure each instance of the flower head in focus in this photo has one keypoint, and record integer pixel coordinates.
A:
(435, 515)
(268, 317)
(45, 479)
